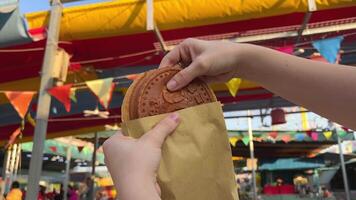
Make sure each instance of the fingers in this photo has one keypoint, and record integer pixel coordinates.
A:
(172, 58)
(158, 134)
(185, 76)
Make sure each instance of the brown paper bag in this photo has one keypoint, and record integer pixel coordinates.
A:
(196, 159)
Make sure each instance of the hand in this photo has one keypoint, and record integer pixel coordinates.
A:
(133, 163)
(213, 61)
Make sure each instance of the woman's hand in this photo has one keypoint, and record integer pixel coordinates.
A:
(212, 61)
(133, 163)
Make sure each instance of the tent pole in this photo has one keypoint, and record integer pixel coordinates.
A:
(343, 168)
(44, 100)
(252, 156)
(67, 174)
(96, 144)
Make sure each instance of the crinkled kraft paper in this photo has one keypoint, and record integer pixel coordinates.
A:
(196, 159)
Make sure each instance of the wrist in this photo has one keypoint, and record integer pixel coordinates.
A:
(129, 185)
(242, 53)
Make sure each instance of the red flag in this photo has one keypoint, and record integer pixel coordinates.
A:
(273, 134)
(13, 137)
(286, 49)
(74, 67)
(80, 148)
(20, 101)
(38, 34)
(286, 138)
(53, 149)
(309, 133)
(62, 94)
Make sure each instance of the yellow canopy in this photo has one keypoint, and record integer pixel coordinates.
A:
(129, 16)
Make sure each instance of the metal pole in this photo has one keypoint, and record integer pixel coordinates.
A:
(96, 144)
(252, 156)
(343, 168)
(67, 175)
(44, 100)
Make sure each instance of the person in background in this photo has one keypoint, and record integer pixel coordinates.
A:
(72, 193)
(15, 192)
(42, 192)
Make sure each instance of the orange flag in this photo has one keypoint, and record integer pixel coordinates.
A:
(20, 101)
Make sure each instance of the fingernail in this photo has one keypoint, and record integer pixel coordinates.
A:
(172, 84)
(174, 117)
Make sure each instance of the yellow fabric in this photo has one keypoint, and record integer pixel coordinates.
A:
(14, 194)
(102, 88)
(129, 16)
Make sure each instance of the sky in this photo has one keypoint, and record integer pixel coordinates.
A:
(37, 5)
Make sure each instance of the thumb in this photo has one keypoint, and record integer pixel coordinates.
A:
(158, 134)
(186, 75)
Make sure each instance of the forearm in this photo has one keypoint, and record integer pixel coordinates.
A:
(326, 89)
(136, 188)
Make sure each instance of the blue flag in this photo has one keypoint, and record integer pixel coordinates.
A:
(329, 48)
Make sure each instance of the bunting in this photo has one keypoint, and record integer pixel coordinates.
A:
(103, 89)
(327, 134)
(233, 85)
(62, 94)
(286, 49)
(246, 140)
(299, 136)
(286, 138)
(314, 136)
(273, 134)
(329, 48)
(20, 101)
(80, 148)
(233, 141)
(73, 96)
(13, 137)
(342, 133)
(53, 149)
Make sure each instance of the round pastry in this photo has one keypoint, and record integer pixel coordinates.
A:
(148, 95)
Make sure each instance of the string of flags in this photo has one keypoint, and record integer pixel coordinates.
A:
(286, 137)
(103, 88)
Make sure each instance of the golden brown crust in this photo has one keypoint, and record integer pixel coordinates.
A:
(148, 95)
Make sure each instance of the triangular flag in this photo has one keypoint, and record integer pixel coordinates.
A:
(342, 133)
(233, 141)
(273, 134)
(13, 137)
(20, 101)
(314, 136)
(309, 133)
(103, 89)
(233, 85)
(258, 139)
(73, 95)
(329, 48)
(246, 140)
(328, 134)
(62, 94)
(299, 136)
(38, 34)
(53, 149)
(80, 148)
(286, 49)
(286, 138)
